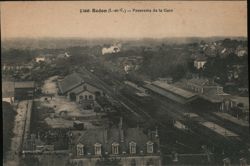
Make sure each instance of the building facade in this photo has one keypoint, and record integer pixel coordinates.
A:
(12, 91)
(200, 62)
(124, 147)
(79, 90)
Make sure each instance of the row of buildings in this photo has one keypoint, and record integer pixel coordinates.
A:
(127, 146)
(116, 144)
(189, 90)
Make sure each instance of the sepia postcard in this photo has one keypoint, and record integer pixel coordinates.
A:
(125, 83)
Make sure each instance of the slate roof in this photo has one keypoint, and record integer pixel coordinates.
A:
(8, 89)
(69, 82)
(107, 137)
(73, 81)
(173, 89)
(167, 94)
(136, 135)
(80, 89)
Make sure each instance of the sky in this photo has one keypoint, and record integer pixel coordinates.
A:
(63, 19)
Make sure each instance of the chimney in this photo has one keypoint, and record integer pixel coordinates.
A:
(120, 123)
(121, 135)
(156, 133)
(39, 138)
(149, 133)
(105, 136)
(157, 138)
(121, 130)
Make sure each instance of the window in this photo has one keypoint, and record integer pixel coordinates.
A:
(115, 148)
(132, 147)
(80, 151)
(80, 97)
(98, 150)
(150, 147)
(86, 97)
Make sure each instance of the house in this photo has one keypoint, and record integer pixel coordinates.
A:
(24, 90)
(203, 86)
(128, 146)
(8, 92)
(40, 59)
(127, 68)
(241, 51)
(199, 62)
(209, 91)
(67, 55)
(241, 107)
(12, 91)
(79, 89)
(111, 49)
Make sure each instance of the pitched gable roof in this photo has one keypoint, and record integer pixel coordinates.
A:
(136, 135)
(73, 81)
(107, 137)
(80, 88)
(69, 82)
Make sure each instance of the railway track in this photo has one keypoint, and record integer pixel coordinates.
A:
(169, 109)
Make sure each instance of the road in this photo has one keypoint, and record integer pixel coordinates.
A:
(13, 158)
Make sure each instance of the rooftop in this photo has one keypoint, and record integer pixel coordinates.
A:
(106, 137)
(169, 95)
(201, 58)
(72, 81)
(26, 84)
(202, 82)
(69, 82)
(243, 100)
(174, 89)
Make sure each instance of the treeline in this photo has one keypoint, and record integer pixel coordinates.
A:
(220, 68)
(167, 62)
(16, 56)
